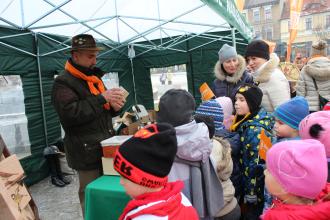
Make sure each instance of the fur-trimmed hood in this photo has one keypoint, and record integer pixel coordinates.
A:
(221, 75)
(221, 154)
(264, 72)
(318, 68)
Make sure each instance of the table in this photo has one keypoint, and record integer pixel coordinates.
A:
(105, 199)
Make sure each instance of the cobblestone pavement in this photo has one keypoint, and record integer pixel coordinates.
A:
(57, 203)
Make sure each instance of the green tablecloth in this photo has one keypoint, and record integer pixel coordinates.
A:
(105, 199)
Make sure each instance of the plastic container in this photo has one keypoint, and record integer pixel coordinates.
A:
(110, 145)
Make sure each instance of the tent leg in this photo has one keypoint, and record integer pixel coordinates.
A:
(41, 90)
(234, 37)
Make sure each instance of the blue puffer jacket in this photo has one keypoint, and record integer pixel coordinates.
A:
(235, 144)
(252, 165)
(225, 85)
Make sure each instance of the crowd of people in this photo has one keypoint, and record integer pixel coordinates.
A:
(204, 162)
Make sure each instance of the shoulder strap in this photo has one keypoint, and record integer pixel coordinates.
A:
(315, 85)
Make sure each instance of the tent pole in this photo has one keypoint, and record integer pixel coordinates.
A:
(41, 90)
(234, 37)
(191, 69)
(22, 13)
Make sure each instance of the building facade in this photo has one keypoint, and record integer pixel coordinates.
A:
(264, 16)
(314, 24)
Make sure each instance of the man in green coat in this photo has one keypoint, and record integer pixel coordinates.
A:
(85, 108)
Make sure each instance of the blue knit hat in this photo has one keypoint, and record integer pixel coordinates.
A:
(214, 109)
(293, 111)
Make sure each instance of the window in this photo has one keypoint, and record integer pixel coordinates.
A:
(327, 21)
(308, 23)
(13, 121)
(268, 13)
(256, 15)
(257, 32)
(165, 78)
(244, 15)
(269, 33)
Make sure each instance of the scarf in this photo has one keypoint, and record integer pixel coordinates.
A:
(237, 122)
(91, 81)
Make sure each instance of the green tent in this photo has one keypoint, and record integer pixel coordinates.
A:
(35, 39)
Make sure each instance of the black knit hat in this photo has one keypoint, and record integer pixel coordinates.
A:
(176, 107)
(257, 48)
(253, 96)
(147, 157)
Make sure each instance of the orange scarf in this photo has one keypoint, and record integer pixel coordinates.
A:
(91, 81)
(236, 123)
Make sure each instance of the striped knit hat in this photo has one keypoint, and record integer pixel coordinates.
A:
(214, 109)
(293, 111)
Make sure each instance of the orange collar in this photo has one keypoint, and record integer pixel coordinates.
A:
(91, 81)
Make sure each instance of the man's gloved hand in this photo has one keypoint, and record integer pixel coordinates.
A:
(250, 199)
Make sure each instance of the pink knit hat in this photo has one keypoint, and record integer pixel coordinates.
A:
(227, 107)
(299, 166)
(317, 126)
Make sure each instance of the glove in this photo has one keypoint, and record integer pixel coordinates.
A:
(251, 199)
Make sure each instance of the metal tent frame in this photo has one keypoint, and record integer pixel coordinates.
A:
(233, 22)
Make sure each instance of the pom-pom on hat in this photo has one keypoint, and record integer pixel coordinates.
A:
(146, 158)
(299, 166)
(317, 126)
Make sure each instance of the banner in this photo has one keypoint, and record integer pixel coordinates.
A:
(240, 5)
(272, 46)
(264, 145)
(295, 9)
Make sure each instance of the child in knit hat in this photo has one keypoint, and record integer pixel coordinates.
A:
(317, 126)
(249, 121)
(192, 163)
(227, 107)
(288, 116)
(220, 110)
(208, 112)
(144, 161)
(296, 175)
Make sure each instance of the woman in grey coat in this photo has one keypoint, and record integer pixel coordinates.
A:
(317, 68)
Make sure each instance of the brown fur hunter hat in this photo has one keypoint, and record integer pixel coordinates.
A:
(84, 42)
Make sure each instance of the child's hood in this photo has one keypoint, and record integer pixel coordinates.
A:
(194, 143)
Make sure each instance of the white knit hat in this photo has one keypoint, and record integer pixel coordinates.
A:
(227, 107)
